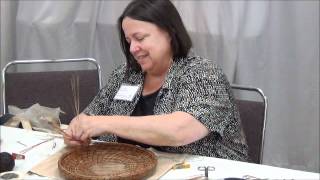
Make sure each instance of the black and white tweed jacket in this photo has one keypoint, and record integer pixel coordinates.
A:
(193, 85)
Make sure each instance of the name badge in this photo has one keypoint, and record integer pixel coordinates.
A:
(126, 92)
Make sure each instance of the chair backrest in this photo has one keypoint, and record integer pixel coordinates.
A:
(51, 88)
(252, 105)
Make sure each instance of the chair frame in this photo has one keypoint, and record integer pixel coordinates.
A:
(265, 102)
(4, 70)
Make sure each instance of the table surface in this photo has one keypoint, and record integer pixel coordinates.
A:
(15, 140)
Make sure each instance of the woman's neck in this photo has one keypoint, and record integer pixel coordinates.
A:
(153, 80)
(152, 83)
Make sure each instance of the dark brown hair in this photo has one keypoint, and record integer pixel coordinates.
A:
(163, 14)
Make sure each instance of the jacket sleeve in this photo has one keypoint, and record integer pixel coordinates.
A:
(205, 94)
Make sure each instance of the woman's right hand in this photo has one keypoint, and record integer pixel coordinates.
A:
(72, 136)
(74, 142)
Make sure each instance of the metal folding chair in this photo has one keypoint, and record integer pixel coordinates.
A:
(252, 104)
(50, 88)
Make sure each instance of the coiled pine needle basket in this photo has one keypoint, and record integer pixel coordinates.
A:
(107, 161)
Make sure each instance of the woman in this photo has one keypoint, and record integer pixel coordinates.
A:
(162, 97)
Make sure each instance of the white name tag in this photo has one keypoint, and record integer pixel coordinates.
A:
(126, 92)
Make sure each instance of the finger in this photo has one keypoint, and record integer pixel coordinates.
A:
(71, 128)
(77, 130)
(85, 136)
(71, 142)
(67, 136)
(68, 133)
(75, 143)
(86, 142)
(77, 135)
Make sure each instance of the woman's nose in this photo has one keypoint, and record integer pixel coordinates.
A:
(134, 47)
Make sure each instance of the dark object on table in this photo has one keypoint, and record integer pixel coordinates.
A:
(5, 118)
(6, 162)
(206, 170)
(9, 175)
(10, 120)
(107, 161)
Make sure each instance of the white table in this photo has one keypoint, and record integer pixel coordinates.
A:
(228, 168)
(12, 140)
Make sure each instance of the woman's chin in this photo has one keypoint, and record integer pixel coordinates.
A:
(144, 70)
(145, 67)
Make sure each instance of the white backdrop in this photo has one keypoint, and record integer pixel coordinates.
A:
(273, 45)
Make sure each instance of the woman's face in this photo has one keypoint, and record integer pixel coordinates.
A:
(149, 45)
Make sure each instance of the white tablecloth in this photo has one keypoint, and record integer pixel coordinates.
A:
(15, 140)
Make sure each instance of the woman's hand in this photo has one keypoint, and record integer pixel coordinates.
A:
(81, 129)
(73, 142)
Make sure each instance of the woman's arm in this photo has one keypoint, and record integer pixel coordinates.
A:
(175, 129)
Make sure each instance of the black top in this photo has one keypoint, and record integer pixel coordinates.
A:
(144, 107)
